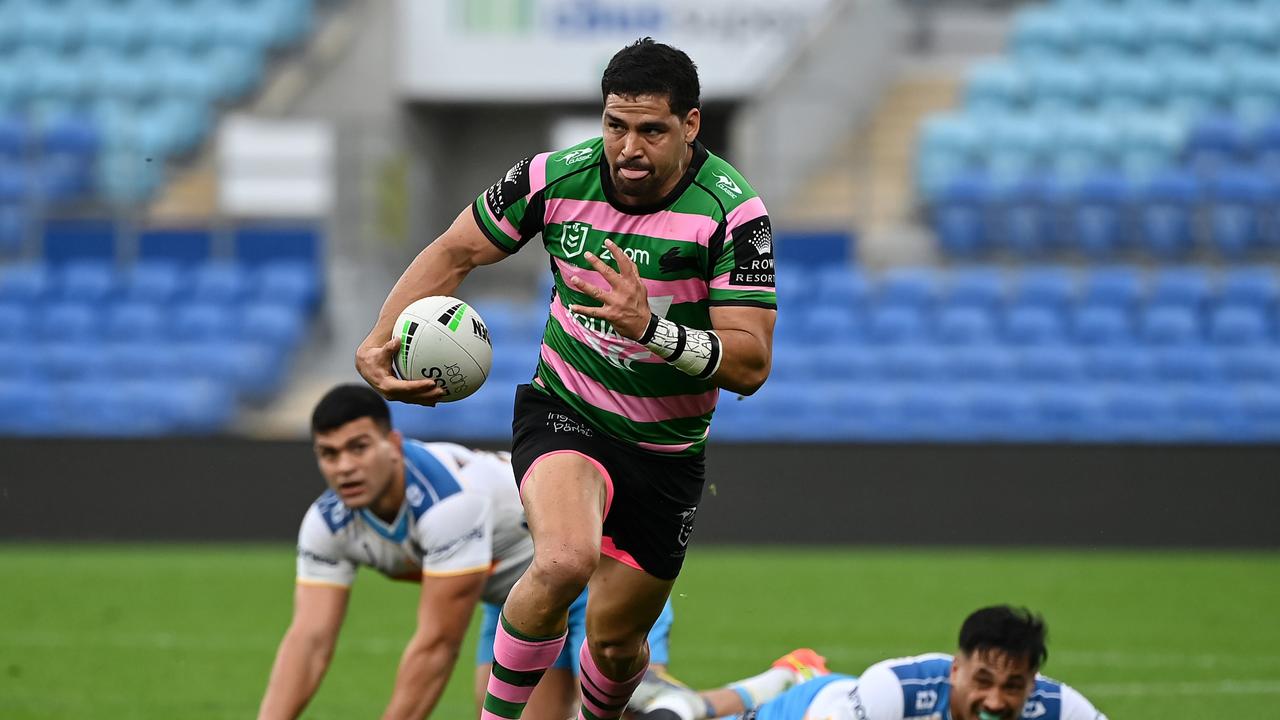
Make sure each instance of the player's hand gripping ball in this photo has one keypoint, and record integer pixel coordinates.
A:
(446, 340)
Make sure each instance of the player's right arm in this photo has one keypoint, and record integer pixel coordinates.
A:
(877, 696)
(305, 651)
(324, 578)
(496, 225)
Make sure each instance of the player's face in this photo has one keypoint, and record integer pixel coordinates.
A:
(646, 145)
(359, 461)
(989, 684)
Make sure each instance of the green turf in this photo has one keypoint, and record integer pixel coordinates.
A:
(190, 632)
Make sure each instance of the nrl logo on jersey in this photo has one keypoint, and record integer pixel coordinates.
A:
(576, 156)
(573, 238)
(726, 183)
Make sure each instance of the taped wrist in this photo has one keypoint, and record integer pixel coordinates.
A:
(695, 352)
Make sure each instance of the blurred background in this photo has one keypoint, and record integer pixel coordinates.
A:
(1026, 252)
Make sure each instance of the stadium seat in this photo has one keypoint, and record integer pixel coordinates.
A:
(136, 321)
(1239, 325)
(912, 363)
(964, 326)
(88, 282)
(292, 283)
(1118, 286)
(909, 287)
(219, 282)
(1206, 414)
(983, 288)
(1168, 325)
(1049, 287)
(1165, 213)
(154, 282)
(841, 287)
(831, 324)
(1257, 286)
(26, 282)
(1043, 33)
(203, 321)
(1033, 325)
(280, 325)
(894, 324)
(16, 320)
(144, 359)
(1050, 365)
(1259, 364)
(1236, 213)
(1216, 142)
(27, 409)
(960, 214)
(1071, 412)
(1189, 287)
(1002, 412)
(929, 412)
(1118, 364)
(1101, 325)
(1139, 413)
(996, 85)
(1188, 364)
(1027, 215)
(1261, 412)
(1098, 210)
(980, 363)
(64, 320)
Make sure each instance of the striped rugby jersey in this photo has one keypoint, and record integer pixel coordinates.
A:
(709, 242)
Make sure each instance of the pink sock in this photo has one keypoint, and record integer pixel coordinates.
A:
(602, 698)
(518, 664)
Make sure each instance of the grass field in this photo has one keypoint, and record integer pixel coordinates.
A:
(190, 631)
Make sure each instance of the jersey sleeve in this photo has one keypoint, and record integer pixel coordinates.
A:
(878, 695)
(511, 211)
(743, 271)
(320, 556)
(1076, 707)
(456, 535)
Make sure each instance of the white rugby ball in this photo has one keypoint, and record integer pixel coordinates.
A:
(443, 339)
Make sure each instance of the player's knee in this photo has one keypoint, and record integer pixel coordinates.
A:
(618, 651)
(565, 567)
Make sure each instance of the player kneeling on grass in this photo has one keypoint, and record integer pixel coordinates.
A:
(435, 513)
(994, 676)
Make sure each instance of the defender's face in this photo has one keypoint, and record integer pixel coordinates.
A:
(359, 461)
(992, 683)
(646, 146)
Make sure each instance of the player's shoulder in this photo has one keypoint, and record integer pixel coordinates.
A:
(329, 512)
(723, 181)
(1053, 700)
(573, 160)
(927, 669)
(428, 477)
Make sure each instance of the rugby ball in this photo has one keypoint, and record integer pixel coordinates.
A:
(444, 339)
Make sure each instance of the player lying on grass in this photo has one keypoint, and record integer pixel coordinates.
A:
(993, 676)
(435, 513)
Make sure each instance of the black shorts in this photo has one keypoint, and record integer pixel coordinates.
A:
(649, 519)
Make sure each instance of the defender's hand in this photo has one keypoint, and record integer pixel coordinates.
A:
(626, 304)
(373, 362)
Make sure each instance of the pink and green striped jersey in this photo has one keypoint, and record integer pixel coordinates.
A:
(707, 243)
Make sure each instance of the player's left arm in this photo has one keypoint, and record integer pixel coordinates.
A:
(735, 354)
(1077, 707)
(444, 612)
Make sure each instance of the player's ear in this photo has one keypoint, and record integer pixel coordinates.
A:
(396, 439)
(692, 124)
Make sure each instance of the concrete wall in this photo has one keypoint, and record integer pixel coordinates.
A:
(1083, 496)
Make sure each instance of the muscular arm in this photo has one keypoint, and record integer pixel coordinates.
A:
(746, 341)
(305, 651)
(438, 270)
(444, 612)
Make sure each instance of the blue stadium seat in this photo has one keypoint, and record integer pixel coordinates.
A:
(1168, 325)
(1255, 93)
(14, 136)
(852, 361)
(1003, 412)
(979, 287)
(1063, 364)
(915, 287)
(154, 282)
(1058, 87)
(27, 409)
(16, 320)
(70, 135)
(16, 182)
(995, 84)
(1118, 286)
(829, 324)
(219, 282)
(960, 214)
(136, 321)
(74, 320)
(1098, 212)
(20, 361)
(1027, 214)
(200, 407)
(13, 228)
(912, 363)
(1235, 213)
(1196, 88)
(1083, 146)
(894, 324)
(1174, 31)
(63, 361)
(1241, 25)
(1206, 414)
(1149, 143)
(1071, 412)
(1042, 33)
(964, 326)
(1258, 364)
(1139, 413)
(26, 282)
(947, 148)
(1101, 325)
(145, 359)
(869, 411)
(293, 283)
(1119, 364)
(203, 321)
(1188, 364)
(933, 412)
(1256, 286)
(1110, 32)
(1166, 212)
(1261, 412)
(1239, 325)
(1049, 287)
(980, 363)
(88, 281)
(1190, 287)
(239, 68)
(1268, 138)
(1033, 325)
(280, 325)
(842, 286)
(1217, 142)
(175, 245)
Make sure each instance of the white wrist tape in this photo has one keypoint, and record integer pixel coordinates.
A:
(695, 352)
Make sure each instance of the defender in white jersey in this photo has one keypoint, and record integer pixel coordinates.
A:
(434, 513)
(993, 676)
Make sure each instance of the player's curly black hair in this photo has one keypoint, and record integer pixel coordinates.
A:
(1016, 632)
(646, 67)
(346, 403)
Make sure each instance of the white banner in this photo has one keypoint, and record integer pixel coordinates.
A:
(556, 50)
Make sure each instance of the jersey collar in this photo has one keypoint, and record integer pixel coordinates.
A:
(395, 533)
(606, 184)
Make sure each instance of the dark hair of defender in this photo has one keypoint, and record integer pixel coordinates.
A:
(1016, 632)
(646, 67)
(346, 403)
